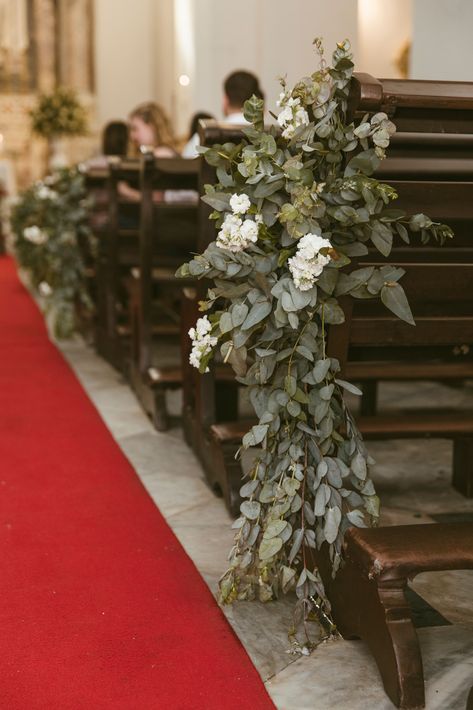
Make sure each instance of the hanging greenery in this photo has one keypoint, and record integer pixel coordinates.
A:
(51, 241)
(293, 206)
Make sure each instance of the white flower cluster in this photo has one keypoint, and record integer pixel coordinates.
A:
(44, 192)
(292, 116)
(35, 235)
(202, 341)
(236, 233)
(45, 289)
(308, 263)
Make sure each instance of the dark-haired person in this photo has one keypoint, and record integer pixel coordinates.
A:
(190, 148)
(238, 87)
(115, 138)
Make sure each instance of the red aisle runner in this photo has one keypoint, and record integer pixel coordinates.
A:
(100, 607)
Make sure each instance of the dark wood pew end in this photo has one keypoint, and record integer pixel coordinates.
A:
(368, 594)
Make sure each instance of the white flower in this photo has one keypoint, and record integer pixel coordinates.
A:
(301, 117)
(292, 116)
(310, 244)
(308, 263)
(235, 235)
(249, 232)
(35, 235)
(45, 193)
(202, 341)
(45, 289)
(240, 204)
(289, 131)
(229, 234)
(285, 116)
(259, 219)
(280, 101)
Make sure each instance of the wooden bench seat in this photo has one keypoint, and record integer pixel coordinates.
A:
(411, 424)
(368, 594)
(389, 370)
(398, 425)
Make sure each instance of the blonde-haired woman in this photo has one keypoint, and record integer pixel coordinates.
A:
(148, 126)
(151, 127)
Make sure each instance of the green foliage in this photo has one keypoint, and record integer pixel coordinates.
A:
(59, 114)
(54, 215)
(310, 182)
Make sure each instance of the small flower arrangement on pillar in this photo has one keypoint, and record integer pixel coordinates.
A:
(293, 205)
(58, 115)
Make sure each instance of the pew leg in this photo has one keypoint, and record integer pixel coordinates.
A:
(226, 402)
(160, 415)
(380, 614)
(462, 479)
(228, 474)
(188, 425)
(369, 398)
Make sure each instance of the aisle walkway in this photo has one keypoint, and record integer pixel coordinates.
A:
(101, 608)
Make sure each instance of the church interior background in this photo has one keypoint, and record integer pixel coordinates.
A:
(117, 53)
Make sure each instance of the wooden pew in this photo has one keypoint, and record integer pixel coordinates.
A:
(430, 166)
(168, 235)
(96, 182)
(368, 594)
(212, 398)
(118, 254)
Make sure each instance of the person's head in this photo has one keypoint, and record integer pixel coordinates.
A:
(149, 125)
(115, 138)
(237, 88)
(194, 124)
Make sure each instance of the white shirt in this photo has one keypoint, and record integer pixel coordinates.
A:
(190, 149)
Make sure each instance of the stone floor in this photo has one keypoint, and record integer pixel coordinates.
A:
(412, 479)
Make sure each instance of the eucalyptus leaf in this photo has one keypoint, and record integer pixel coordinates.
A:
(250, 509)
(269, 547)
(333, 518)
(259, 311)
(394, 298)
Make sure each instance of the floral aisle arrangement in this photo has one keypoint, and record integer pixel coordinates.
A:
(51, 238)
(293, 205)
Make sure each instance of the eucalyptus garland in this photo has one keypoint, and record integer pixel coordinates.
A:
(294, 204)
(51, 241)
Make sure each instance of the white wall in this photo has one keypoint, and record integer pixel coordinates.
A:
(268, 37)
(125, 37)
(143, 46)
(442, 47)
(384, 27)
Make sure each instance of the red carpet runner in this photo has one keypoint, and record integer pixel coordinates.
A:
(100, 607)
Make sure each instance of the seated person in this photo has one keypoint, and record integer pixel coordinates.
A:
(150, 128)
(237, 88)
(114, 143)
(189, 150)
(115, 138)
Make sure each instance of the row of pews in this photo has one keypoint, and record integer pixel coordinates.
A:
(144, 312)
